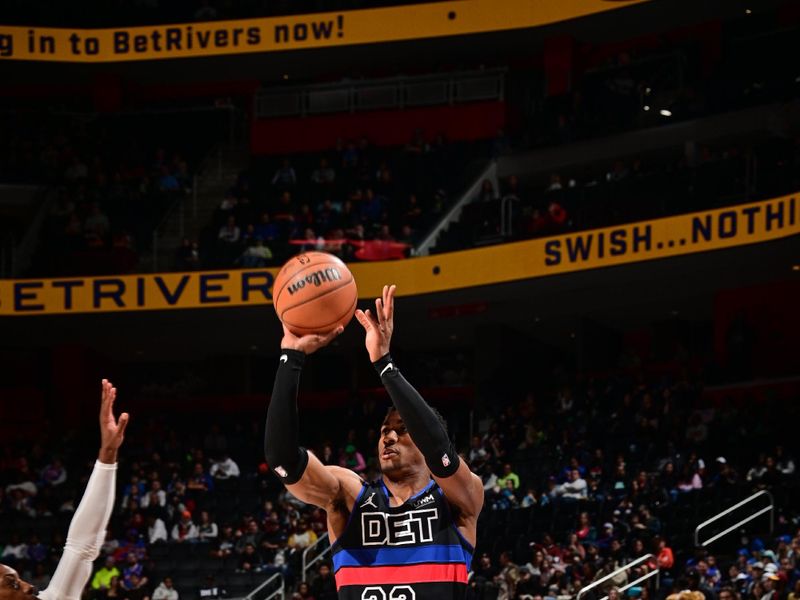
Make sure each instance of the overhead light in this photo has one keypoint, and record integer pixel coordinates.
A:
(647, 90)
(646, 107)
(795, 267)
(747, 11)
(285, 76)
(665, 113)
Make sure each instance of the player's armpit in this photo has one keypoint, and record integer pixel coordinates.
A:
(464, 490)
(326, 486)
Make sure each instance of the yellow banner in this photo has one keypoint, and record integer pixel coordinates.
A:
(320, 30)
(661, 238)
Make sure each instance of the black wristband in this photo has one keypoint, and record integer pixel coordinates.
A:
(294, 358)
(383, 362)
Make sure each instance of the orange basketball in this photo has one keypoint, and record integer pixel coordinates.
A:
(314, 292)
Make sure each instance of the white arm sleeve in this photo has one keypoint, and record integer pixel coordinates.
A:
(86, 534)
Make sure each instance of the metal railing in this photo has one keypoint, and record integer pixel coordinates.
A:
(210, 166)
(279, 592)
(454, 213)
(630, 565)
(308, 563)
(388, 93)
(768, 509)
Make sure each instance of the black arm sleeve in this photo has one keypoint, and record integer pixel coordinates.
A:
(283, 453)
(423, 424)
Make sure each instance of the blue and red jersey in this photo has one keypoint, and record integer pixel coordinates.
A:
(409, 552)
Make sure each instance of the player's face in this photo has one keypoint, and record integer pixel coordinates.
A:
(395, 448)
(12, 587)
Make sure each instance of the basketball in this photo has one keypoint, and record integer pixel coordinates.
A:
(314, 292)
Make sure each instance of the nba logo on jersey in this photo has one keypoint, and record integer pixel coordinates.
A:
(281, 471)
(445, 460)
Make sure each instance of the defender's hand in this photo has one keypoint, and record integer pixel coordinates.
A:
(308, 344)
(379, 326)
(112, 432)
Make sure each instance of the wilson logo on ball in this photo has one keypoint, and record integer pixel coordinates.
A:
(317, 278)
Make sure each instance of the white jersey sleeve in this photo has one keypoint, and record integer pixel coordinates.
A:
(86, 534)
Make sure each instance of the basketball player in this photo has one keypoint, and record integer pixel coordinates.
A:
(88, 527)
(409, 535)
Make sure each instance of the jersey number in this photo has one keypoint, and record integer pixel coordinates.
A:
(398, 592)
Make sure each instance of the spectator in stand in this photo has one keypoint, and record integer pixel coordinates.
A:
(226, 543)
(167, 182)
(529, 499)
(96, 227)
(575, 488)
(478, 455)
(255, 256)
(252, 535)
(115, 590)
(156, 497)
(207, 530)
(136, 588)
(412, 212)
(487, 193)
(303, 592)
(323, 586)
(250, 560)
(384, 234)
(689, 480)
(303, 537)
(101, 582)
(372, 208)
(200, 481)
(353, 459)
(507, 578)
(185, 530)
(508, 475)
(187, 256)
(133, 573)
(265, 229)
(77, 171)
(327, 217)
(284, 176)
(784, 462)
(210, 590)
(54, 474)
(224, 468)
(324, 174)
(230, 233)
(165, 590)
(156, 529)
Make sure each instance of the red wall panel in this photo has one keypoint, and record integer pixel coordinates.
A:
(478, 120)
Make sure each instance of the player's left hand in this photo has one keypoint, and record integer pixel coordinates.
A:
(112, 432)
(380, 325)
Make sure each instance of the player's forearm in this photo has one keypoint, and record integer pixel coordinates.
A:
(86, 534)
(281, 447)
(419, 418)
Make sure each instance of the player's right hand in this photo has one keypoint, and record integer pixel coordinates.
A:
(308, 344)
